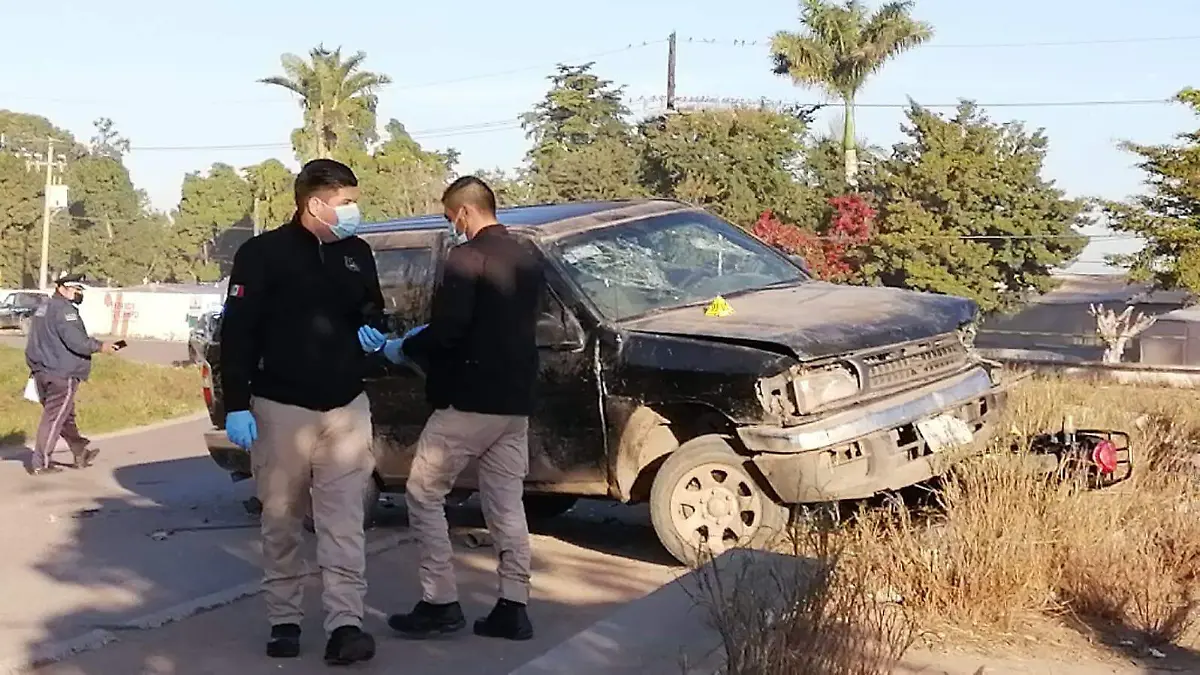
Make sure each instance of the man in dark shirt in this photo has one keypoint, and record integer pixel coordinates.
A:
(480, 356)
(59, 355)
(292, 369)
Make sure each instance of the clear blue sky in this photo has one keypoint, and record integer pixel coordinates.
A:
(183, 74)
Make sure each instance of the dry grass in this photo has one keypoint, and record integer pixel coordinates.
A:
(1002, 543)
(119, 394)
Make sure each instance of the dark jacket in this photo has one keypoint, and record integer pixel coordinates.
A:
(289, 332)
(58, 342)
(480, 346)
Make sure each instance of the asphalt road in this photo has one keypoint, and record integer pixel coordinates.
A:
(154, 525)
(147, 351)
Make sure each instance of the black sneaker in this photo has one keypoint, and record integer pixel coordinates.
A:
(508, 620)
(284, 642)
(427, 620)
(349, 644)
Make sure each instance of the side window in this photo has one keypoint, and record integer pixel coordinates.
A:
(406, 277)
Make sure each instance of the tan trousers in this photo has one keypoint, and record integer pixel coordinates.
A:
(450, 440)
(327, 455)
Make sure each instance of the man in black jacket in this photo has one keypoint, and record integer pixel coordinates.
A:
(481, 361)
(59, 355)
(292, 369)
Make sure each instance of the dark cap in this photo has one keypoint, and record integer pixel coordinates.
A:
(69, 280)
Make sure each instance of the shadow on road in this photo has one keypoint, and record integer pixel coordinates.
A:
(180, 532)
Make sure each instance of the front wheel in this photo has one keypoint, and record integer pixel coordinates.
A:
(370, 503)
(704, 501)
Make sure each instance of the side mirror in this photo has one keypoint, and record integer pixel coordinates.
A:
(552, 333)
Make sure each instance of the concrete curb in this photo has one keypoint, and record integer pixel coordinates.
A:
(53, 652)
(669, 630)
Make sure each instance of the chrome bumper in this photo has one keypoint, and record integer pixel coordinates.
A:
(859, 422)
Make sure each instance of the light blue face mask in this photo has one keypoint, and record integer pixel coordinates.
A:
(348, 220)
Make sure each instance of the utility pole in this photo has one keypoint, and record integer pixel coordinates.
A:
(671, 74)
(44, 274)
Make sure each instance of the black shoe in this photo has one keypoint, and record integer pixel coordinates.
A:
(508, 620)
(349, 644)
(85, 456)
(41, 471)
(427, 620)
(285, 641)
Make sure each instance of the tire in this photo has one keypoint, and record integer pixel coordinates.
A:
(547, 506)
(702, 487)
(370, 502)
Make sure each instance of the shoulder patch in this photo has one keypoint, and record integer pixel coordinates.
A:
(71, 316)
(237, 291)
(351, 264)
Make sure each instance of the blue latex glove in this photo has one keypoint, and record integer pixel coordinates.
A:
(394, 349)
(241, 428)
(371, 339)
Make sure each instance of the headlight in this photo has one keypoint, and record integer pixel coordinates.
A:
(813, 390)
(966, 335)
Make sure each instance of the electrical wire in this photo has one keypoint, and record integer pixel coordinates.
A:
(727, 42)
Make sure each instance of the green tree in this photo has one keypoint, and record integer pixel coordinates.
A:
(107, 142)
(1168, 216)
(272, 193)
(338, 99)
(840, 46)
(20, 213)
(402, 179)
(512, 189)
(104, 202)
(736, 162)
(583, 148)
(963, 209)
(213, 219)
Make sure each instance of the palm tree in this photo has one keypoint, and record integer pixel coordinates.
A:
(338, 99)
(840, 47)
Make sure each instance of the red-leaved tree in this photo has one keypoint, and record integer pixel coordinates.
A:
(828, 254)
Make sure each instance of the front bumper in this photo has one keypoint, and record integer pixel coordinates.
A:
(228, 456)
(874, 448)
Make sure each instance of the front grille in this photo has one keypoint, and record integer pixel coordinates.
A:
(914, 362)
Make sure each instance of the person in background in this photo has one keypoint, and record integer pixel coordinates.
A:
(59, 355)
(292, 369)
(481, 361)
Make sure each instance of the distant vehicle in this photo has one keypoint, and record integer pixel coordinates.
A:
(201, 334)
(16, 311)
(687, 364)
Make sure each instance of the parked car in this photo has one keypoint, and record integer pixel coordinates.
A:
(201, 334)
(808, 392)
(17, 308)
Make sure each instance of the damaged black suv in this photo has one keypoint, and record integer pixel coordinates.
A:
(799, 392)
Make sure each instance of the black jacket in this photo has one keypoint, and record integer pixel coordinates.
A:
(480, 349)
(289, 332)
(58, 342)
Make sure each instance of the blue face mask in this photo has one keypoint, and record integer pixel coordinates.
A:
(348, 220)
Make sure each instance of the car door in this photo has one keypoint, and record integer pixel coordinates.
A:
(566, 431)
(408, 269)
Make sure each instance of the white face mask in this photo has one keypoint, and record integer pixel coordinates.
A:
(348, 219)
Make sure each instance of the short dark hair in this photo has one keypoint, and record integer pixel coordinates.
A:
(322, 174)
(470, 190)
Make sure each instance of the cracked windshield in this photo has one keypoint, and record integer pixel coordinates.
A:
(670, 261)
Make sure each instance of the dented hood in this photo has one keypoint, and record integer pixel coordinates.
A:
(817, 319)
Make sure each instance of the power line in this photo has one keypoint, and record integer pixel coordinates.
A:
(727, 42)
(523, 69)
(779, 103)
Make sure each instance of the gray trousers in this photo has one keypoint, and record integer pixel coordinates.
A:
(450, 440)
(325, 457)
(58, 418)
